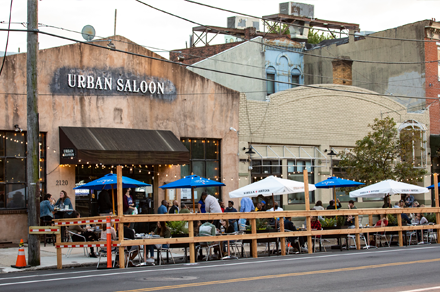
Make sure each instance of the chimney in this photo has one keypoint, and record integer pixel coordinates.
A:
(249, 32)
(342, 71)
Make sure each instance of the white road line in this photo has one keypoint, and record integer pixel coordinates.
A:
(423, 289)
(260, 261)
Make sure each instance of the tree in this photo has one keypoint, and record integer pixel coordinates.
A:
(315, 38)
(277, 27)
(384, 154)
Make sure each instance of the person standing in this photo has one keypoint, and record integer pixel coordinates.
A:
(128, 202)
(163, 209)
(105, 203)
(232, 222)
(201, 204)
(212, 205)
(174, 208)
(247, 205)
(409, 200)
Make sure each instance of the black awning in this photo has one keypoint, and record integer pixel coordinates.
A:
(79, 145)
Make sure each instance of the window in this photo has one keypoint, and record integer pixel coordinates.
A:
(262, 169)
(412, 138)
(13, 193)
(295, 77)
(295, 172)
(205, 162)
(270, 75)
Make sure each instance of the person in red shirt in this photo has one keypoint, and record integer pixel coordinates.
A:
(222, 206)
(382, 222)
(316, 225)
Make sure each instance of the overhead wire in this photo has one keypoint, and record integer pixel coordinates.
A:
(304, 53)
(214, 70)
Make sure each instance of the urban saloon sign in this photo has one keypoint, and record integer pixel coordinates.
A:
(111, 82)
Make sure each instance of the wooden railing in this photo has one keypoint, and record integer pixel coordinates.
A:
(252, 216)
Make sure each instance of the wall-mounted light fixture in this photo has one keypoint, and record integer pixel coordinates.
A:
(17, 128)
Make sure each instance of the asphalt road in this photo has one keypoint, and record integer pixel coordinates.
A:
(386, 269)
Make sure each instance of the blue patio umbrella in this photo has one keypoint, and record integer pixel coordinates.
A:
(108, 181)
(336, 182)
(432, 186)
(191, 182)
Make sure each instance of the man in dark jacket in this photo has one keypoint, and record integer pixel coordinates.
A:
(174, 208)
(289, 226)
(104, 202)
(232, 222)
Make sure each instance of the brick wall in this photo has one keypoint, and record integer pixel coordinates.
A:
(342, 72)
(432, 86)
(196, 54)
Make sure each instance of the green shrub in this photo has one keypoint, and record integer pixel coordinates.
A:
(177, 227)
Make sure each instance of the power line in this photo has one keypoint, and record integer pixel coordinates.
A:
(216, 71)
(303, 26)
(7, 40)
(224, 61)
(278, 47)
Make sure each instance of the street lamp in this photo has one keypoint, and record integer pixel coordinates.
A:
(331, 154)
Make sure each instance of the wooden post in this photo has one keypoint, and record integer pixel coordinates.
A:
(59, 253)
(437, 215)
(358, 235)
(254, 240)
(283, 239)
(309, 237)
(307, 205)
(32, 132)
(192, 253)
(399, 223)
(370, 220)
(306, 190)
(119, 195)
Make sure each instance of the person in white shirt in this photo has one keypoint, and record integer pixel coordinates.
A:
(212, 205)
(275, 208)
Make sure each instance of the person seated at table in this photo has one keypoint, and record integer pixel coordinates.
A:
(63, 202)
(201, 203)
(332, 206)
(259, 207)
(350, 219)
(174, 208)
(383, 222)
(419, 219)
(318, 206)
(273, 209)
(103, 228)
(405, 218)
(184, 209)
(289, 226)
(163, 231)
(88, 234)
(232, 222)
(130, 234)
(104, 203)
(46, 208)
(209, 229)
(416, 204)
(222, 206)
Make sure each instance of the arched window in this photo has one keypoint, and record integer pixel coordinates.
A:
(296, 77)
(270, 75)
(413, 140)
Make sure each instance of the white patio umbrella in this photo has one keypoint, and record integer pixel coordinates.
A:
(270, 186)
(385, 188)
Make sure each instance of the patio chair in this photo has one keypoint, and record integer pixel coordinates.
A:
(430, 235)
(353, 237)
(160, 249)
(208, 246)
(69, 251)
(379, 236)
(236, 245)
(102, 252)
(320, 241)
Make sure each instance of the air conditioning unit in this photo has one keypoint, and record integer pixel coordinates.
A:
(297, 9)
(243, 22)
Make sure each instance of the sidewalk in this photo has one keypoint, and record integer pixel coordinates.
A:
(48, 256)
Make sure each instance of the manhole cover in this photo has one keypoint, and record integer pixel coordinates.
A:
(164, 279)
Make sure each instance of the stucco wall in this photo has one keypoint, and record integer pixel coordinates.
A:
(200, 107)
(244, 59)
(319, 118)
(13, 227)
(395, 79)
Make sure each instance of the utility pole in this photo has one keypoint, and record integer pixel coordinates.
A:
(32, 161)
(116, 13)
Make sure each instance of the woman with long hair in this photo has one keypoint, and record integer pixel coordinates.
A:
(64, 201)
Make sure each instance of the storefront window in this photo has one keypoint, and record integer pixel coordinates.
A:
(295, 172)
(205, 162)
(13, 193)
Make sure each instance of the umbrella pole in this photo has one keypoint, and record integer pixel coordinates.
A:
(113, 201)
(273, 207)
(192, 197)
(334, 198)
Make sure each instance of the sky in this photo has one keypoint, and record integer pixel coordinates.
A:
(149, 27)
